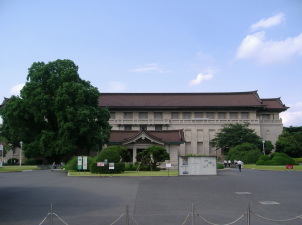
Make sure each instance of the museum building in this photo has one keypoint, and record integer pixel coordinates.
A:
(185, 123)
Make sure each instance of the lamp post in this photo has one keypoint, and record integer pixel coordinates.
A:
(263, 142)
(21, 143)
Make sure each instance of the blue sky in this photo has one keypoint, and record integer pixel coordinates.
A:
(160, 45)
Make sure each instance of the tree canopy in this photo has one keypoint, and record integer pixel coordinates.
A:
(232, 135)
(290, 144)
(57, 113)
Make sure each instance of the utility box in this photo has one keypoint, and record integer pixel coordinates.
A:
(197, 165)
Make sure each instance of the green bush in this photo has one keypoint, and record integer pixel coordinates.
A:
(73, 163)
(112, 156)
(282, 159)
(13, 161)
(124, 153)
(118, 168)
(246, 152)
(220, 166)
(132, 167)
(263, 160)
(298, 160)
(33, 162)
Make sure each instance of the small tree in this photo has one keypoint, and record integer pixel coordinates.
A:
(124, 153)
(232, 135)
(153, 156)
(246, 152)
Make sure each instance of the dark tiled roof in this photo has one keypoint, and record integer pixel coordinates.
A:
(182, 100)
(273, 103)
(167, 136)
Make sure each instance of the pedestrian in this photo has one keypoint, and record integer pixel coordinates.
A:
(225, 163)
(239, 164)
(229, 162)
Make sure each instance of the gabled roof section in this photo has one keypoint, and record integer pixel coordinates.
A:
(274, 104)
(123, 137)
(168, 100)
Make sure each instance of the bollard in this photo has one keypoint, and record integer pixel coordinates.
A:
(127, 215)
(248, 214)
(193, 214)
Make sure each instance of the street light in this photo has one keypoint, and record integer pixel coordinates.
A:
(21, 143)
(263, 142)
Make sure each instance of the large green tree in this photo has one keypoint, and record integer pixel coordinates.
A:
(290, 144)
(57, 113)
(153, 156)
(232, 135)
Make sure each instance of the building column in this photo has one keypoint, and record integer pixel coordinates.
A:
(134, 151)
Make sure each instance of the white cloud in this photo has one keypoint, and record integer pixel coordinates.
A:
(268, 22)
(292, 117)
(255, 46)
(115, 86)
(15, 90)
(201, 77)
(150, 67)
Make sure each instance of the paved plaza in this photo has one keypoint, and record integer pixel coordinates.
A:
(26, 197)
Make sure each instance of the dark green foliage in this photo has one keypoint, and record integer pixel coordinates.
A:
(57, 113)
(290, 144)
(246, 152)
(268, 146)
(118, 168)
(276, 159)
(232, 135)
(73, 164)
(124, 153)
(13, 161)
(220, 166)
(136, 167)
(153, 156)
(282, 159)
(33, 162)
(112, 156)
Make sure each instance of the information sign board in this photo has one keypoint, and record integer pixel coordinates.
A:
(84, 162)
(80, 162)
(197, 165)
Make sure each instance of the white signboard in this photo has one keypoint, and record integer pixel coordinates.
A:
(84, 162)
(100, 164)
(168, 165)
(80, 163)
(111, 166)
(197, 165)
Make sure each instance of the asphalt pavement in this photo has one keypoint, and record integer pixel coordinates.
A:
(27, 198)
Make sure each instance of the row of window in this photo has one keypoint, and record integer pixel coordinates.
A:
(188, 115)
(143, 127)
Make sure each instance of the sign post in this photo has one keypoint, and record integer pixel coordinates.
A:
(84, 162)
(80, 163)
(1, 155)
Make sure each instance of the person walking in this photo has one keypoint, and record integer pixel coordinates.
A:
(225, 163)
(229, 162)
(239, 164)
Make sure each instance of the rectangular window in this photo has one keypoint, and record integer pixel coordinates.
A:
(158, 115)
(233, 115)
(221, 115)
(210, 115)
(174, 115)
(143, 115)
(112, 115)
(158, 127)
(143, 127)
(266, 116)
(127, 127)
(245, 115)
(198, 115)
(186, 115)
(128, 115)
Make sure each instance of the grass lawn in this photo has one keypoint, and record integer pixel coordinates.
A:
(277, 168)
(129, 173)
(16, 168)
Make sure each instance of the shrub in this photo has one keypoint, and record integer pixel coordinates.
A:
(263, 160)
(118, 168)
(109, 154)
(73, 163)
(135, 167)
(282, 159)
(246, 152)
(13, 161)
(220, 166)
(33, 162)
(124, 153)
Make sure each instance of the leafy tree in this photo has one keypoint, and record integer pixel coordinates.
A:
(153, 156)
(290, 144)
(268, 146)
(124, 153)
(246, 152)
(232, 135)
(57, 113)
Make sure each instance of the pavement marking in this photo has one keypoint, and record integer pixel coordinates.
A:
(243, 193)
(269, 203)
